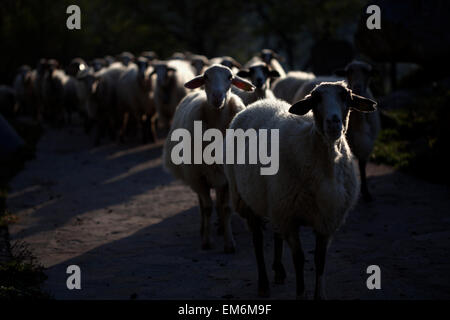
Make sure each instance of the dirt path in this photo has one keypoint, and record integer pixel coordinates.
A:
(133, 230)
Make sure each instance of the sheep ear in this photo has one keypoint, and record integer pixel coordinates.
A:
(361, 104)
(195, 83)
(303, 106)
(242, 84)
(235, 63)
(274, 74)
(278, 57)
(244, 73)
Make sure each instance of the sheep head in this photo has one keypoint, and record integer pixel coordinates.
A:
(217, 80)
(330, 103)
(358, 76)
(259, 73)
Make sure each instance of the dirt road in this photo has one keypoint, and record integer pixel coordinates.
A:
(134, 231)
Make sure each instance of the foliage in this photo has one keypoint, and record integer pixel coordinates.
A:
(32, 29)
(417, 141)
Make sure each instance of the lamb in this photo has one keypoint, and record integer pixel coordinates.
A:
(260, 75)
(135, 97)
(316, 184)
(169, 90)
(286, 88)
(215, 107)
(363, 129)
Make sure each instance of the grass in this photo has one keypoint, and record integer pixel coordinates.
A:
(21, 276)
(416, 139)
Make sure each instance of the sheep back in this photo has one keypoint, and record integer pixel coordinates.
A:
(308, 189)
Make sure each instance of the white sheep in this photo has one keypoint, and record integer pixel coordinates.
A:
(104, 97)
(272, 59)
(309, 85)
(22, 92)
(215, 107)
(260, 75)
(135, 97)
(227, 61)
(53, 84)
(169, 89)
(363, 129)
(286, 88)
(199, 63)
(316, 184)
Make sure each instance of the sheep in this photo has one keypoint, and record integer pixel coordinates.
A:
(315, 185)
(150, 55)
(135, 97)
(76, 65)
(286, 88)
(105, 99)
(199, 63)
(34, 87)
(215, 107)
(98, 63)
(126, 58)
(77, 95)
(363, 129)
(309, 85)
(227, 62)
(53, 84)
(169, 89)
(23, 94)
(260, 75)
(272, 59)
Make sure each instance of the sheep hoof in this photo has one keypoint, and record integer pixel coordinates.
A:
(264, 292)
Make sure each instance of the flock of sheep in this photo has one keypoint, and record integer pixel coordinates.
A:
(324, 122)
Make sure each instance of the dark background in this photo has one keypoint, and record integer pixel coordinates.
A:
(31, 29)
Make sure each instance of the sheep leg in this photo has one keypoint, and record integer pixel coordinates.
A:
(205, 201)
(319, 260)
(123, 130)
(224, 212)
(255, 225)
(298, 257)
(280, 273)
(364, 190)
(154, 126)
